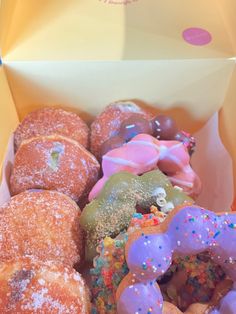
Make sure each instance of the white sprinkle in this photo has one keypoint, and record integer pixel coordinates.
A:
(76, 277)
(41, 282)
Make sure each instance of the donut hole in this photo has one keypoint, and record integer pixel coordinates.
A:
(193, 279)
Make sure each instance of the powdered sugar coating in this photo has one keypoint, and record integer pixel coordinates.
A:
(54, 163)
(108, 123)
(49, 121)
(43, 225)
(43, 288)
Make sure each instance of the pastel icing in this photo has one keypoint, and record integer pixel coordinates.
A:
(111, 212)
(144, 153)
(186, 231)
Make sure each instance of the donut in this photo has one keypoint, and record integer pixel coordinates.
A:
(221, 289)
(194, 280)
(198, 273)
(144, 153)
(41, 224)
(51, 121)
(162, 127)
(187, 230)
(109, 266)
(112, 211)
(54, 163)
(28, 287)
(108, 123)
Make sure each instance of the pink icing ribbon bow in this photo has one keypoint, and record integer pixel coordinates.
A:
(145, 153)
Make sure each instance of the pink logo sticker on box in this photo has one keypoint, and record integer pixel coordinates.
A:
(197, 36)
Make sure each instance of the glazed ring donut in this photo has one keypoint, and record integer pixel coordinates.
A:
(144, 153)
(51, 121)
(43, 225)
(54, 163)
(186, 231)
(108, 123)
(112, 211)
(28, 287)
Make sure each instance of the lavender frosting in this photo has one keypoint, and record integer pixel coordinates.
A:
(191, 231)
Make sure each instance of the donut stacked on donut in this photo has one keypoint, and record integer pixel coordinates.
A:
(107, 125)
(51, 121)
(56, 163)
(40, 243)
(123, 120)
(51, 154)
(144, 153)
(190, 279)
(120, 198)
(41, 227)
(27, 286)
(41, 224)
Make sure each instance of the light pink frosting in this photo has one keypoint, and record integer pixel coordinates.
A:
(145, 153)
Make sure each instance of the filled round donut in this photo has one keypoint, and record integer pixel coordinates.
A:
(50, 121)
(29, 287)
(108, 123)
(43, 225)
(54, 163)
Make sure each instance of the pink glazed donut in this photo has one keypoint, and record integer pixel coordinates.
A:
(145, 153)
(149, 252)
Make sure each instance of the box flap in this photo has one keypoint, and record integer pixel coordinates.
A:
(90, 86)
(228, 123)
(117, 29)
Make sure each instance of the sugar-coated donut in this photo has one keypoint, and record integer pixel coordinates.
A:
(108, 123)
(30, 287)
(41, 224)
(144, 153)
(149, 253)
(122, 194)
(50, 121)
(54, 163)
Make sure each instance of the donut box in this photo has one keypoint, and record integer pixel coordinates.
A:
(170, 58)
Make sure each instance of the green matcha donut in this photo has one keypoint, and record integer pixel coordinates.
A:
(112, 211)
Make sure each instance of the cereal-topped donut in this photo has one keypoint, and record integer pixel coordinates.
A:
(54, 163)
(50, 121)
(41, 224)
(109, 266)
(108, 123)
(122, 195)
(144, 153)
(149, 253)
(28, 286)
(189, 279)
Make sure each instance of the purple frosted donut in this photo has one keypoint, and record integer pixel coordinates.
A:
(188, 230)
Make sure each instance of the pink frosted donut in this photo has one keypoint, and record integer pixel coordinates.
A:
(144, 153)
(50, 121)
(108, 123)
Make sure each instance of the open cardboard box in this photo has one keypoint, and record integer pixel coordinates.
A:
(84, 54)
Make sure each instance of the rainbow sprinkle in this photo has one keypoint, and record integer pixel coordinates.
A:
(232, 226)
